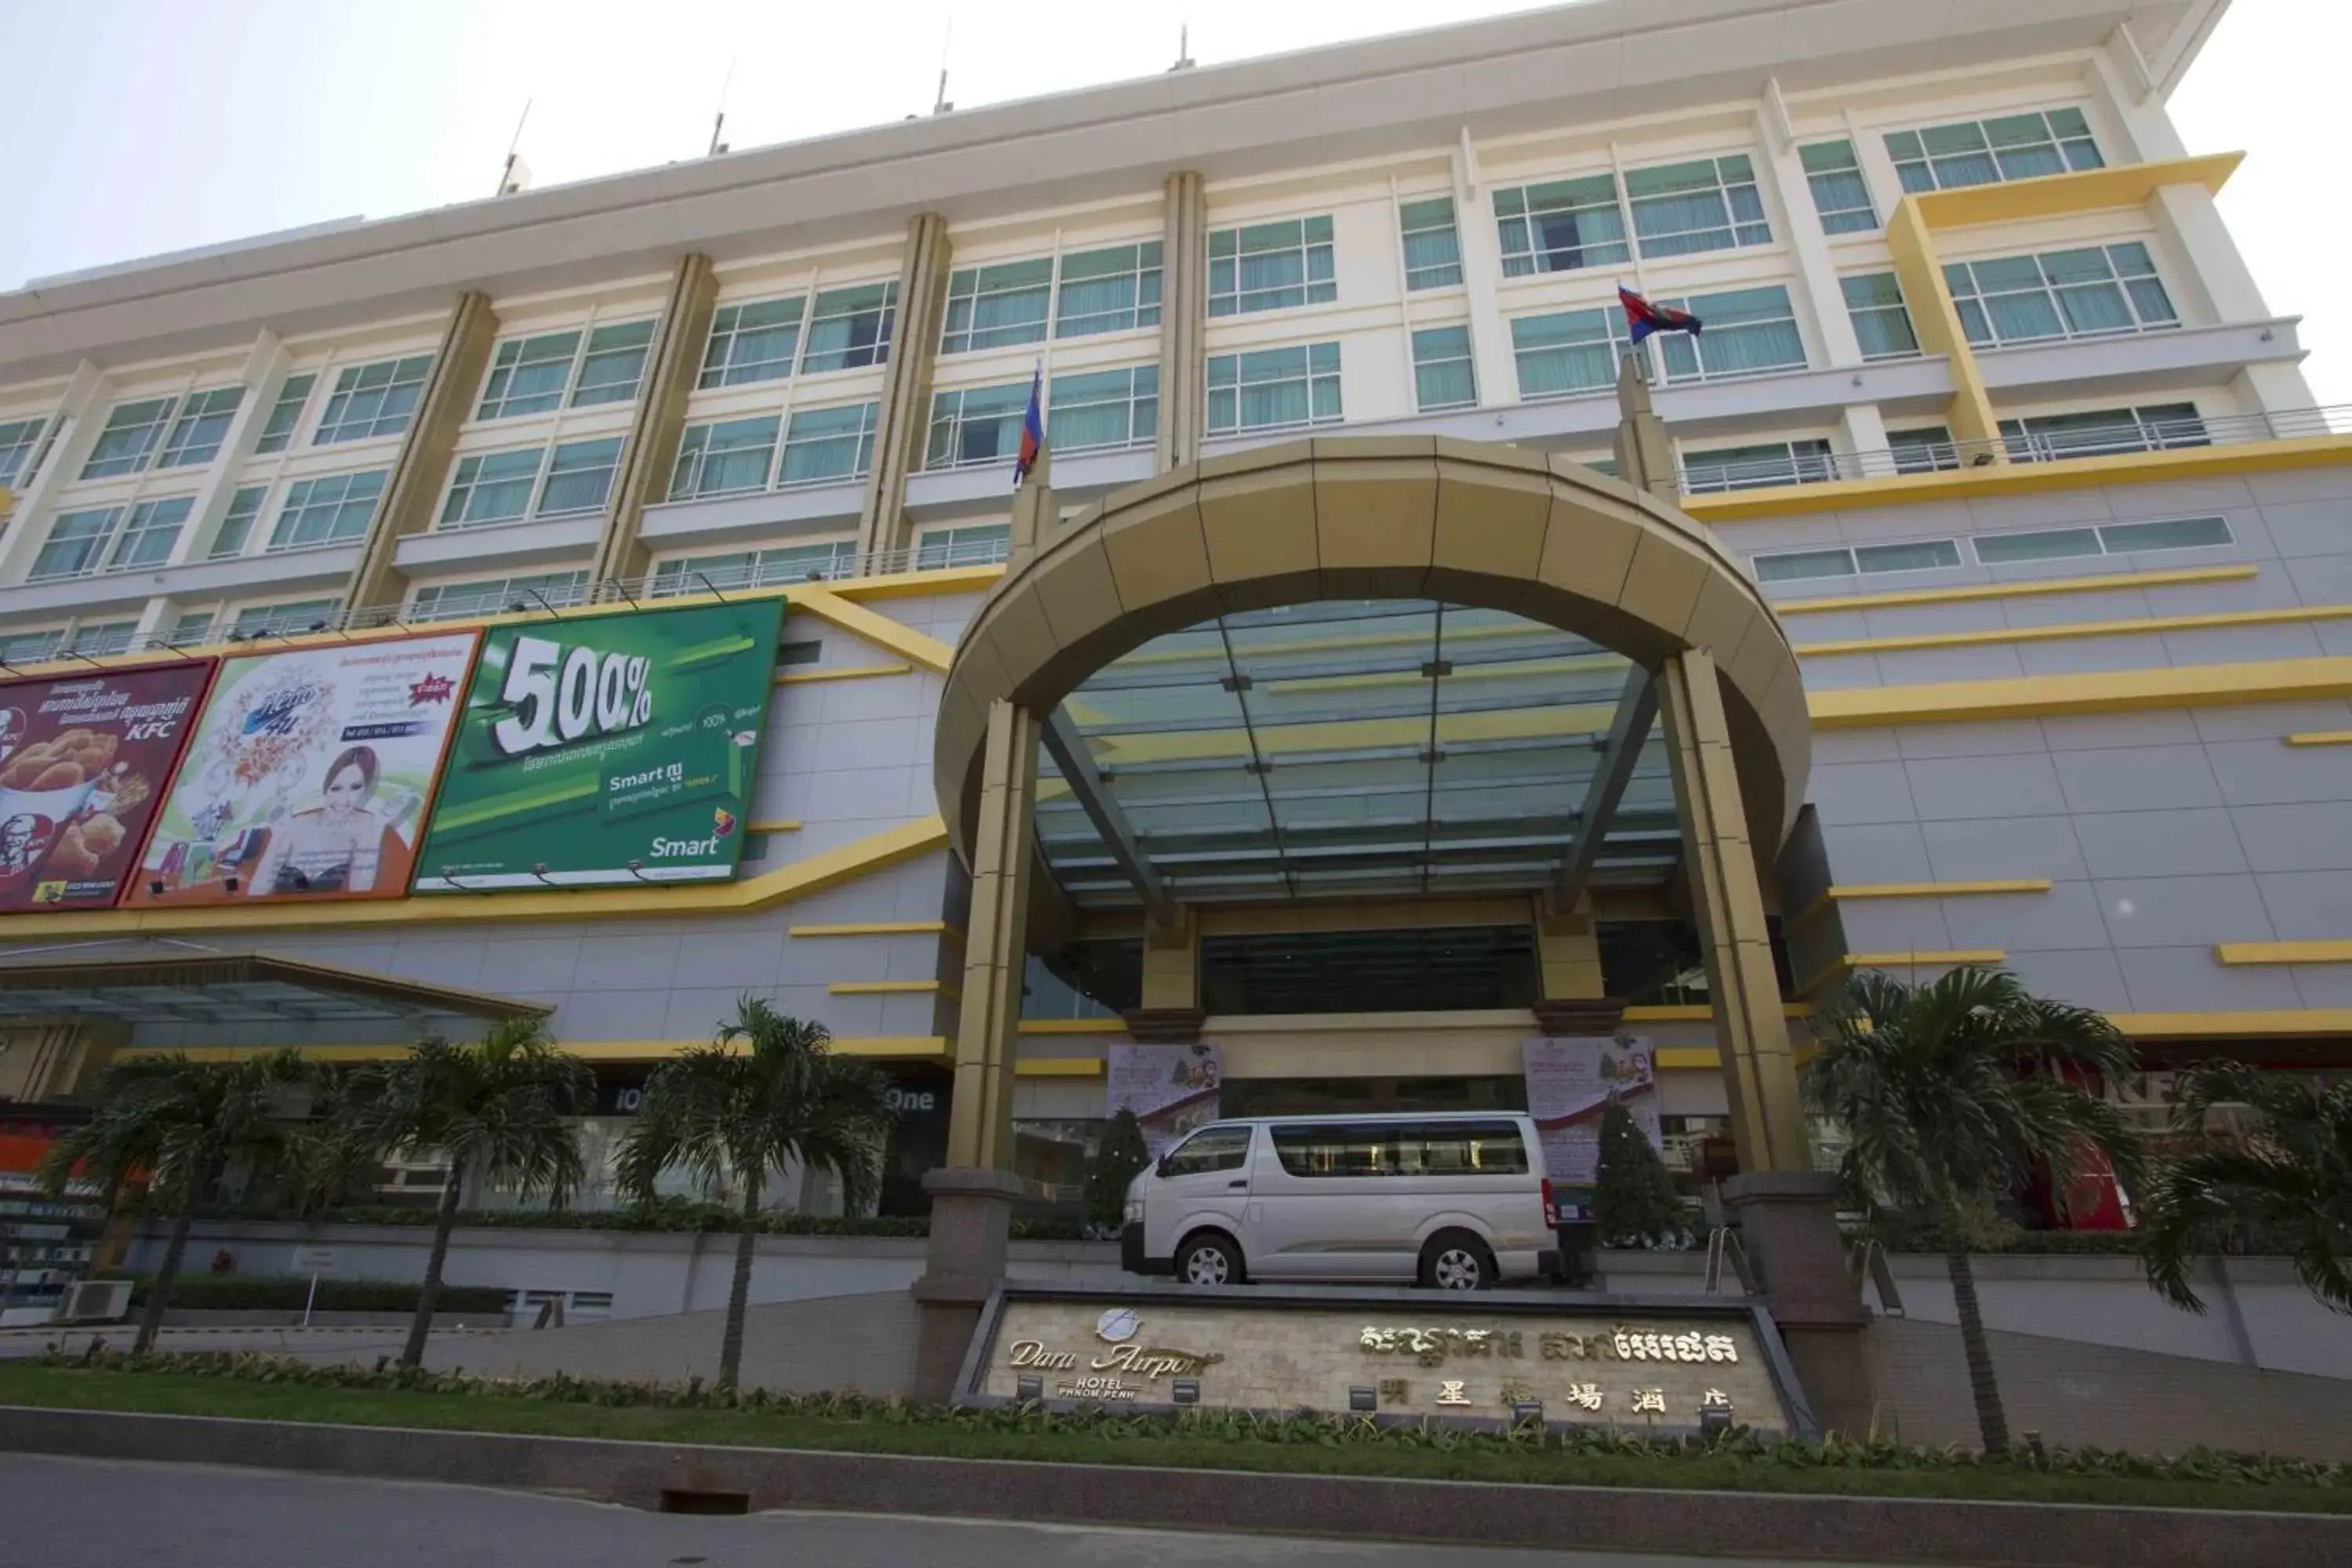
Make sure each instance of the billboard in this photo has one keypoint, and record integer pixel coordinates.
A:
(606, 749)
(83, 763)
(1570, 1083)
(1172, 1089)
(309, 775)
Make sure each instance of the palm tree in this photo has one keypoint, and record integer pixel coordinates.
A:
(1952, 1095)
(503, 1110)
(180, 1122)
(767, 1091)
(2290, 1171)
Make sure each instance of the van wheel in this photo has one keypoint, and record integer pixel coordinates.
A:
(1457, 1260)
(1209, 1259)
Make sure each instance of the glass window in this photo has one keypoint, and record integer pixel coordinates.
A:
(2090, 292)
(282, 620)
(755, 569)
(17, 439)
(579, 476)
(31, 647)
(1561, 226)
(129, 440)
(615, 364)
(1402, 1149)
(977, 544)
(1989, 151)
(327, 511)
(1761, 467)
(196, 434)
(1103, 408)
(1271, 267)
(1923, 555)
(528, 375)
(103, 639)
(77, 541)
(1274, 388)
(2107, 539)
(828, 445)
(850, 327)
(1433, 250)
(2178, 534)
(2044, 544)
(491, 487)
(1108, 291)
(1442, 377)
(1712, 204)
(236, 525)
(2042, 437)
(469, 601)
(976, 425)
(147, 539)
(997, 307)
(724, 457)
(1209, 1149)
(372, 400)
(751, 342)
(1874, 301)
(278, 430)
(1923, 450)
(192, 630)
(1573, 351)
(1800, 565)
(1748, 330)
(1840, 195)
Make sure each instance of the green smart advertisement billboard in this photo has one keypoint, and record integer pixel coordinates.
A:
(605, 748)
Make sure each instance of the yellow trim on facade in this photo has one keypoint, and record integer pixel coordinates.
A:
(1074, 1026)
(921, 647)
(1060, 1067)
(2281, 1022)
(2321, 738)
(843, 672)
(1917, 891)
(1974, 591)
(874, 928)
(2055, 195)
(2066, 630)
(2101, 691)
(1936, 322)
(777, 825)
(2336, 951)
(890, 988)
(1700, 1012)
(1918, 958)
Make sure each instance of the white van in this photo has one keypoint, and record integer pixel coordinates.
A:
(1453, 1201)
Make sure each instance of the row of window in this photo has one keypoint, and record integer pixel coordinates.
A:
(1994, 548)
(969, 544)
(2044, 438)
(332, 509)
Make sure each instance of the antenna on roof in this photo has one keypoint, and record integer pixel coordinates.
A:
(516, 176)
(940, 104)
(1183, 48)
(719, 121)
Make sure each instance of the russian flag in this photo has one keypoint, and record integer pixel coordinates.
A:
(1032, 428)
(1641, 318)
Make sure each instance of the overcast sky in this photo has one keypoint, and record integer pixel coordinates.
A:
(137, 126)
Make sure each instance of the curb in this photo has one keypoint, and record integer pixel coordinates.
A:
(1589, 1519)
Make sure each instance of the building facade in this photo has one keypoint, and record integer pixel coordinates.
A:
(1987, 409)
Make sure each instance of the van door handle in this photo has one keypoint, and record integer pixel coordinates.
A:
(1242, 1183)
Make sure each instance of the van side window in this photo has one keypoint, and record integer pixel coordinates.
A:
(1402, 1149)
(1210, 1148)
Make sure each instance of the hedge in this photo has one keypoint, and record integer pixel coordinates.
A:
(287, 1292)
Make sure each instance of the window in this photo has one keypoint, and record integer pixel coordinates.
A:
(493, 487)
(977, 425)
(196, 434)
(528, 375)
(1748, 330)
(282, 620)
(17, 439)
(2108, 539)
(372, 400)
(2181, 533)
(1402, 1149)
(2090, 292)
(192, 630)
(850, 327)
(1840, 195)
(285, 414)
(104, 638)
(129, 440)
(1274, 388)
(1442, 377)
(1561, 226)
(754, 341)
(1924, 450)
(613, 365)
(1108, 291)
(1682, 209)
(755, 568)
(1988, 151)
(1209, 1149)
(579, 476)
(76, 541)
(237, 526)
(31, 647)
(469, 601)
(1271, 267)
(147, 539)
(2042, 437)
(1799, 565)
(1718, 469)
(980, 544)
(1103, 408)
(725, 457)
(1433, 250)
(1874, 301)
(998, 307)
(828, 446)
(1573, 351)
(327, 511)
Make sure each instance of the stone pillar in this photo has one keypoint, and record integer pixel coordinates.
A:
(1645, 458)
(414, 487)
(1183, 322)
(65, 447)
(1491, 362)
(1567, 950)
(1170, 1010)
(650, 452)
(904, 420)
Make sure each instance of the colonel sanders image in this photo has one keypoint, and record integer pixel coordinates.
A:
(21, 844)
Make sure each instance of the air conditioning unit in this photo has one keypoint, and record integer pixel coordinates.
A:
(96, 1302)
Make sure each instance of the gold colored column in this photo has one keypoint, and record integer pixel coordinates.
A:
(1171, 963)
(996, 949)
(905, 417)
(1936, 321)
(414, 487)
(651, 450)
(1751, 1029)
(1183, 322)
(1569, 952)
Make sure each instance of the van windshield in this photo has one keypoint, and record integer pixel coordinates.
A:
(1402, 1149)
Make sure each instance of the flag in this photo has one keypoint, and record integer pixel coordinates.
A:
(1643, 318)
(1033, 428)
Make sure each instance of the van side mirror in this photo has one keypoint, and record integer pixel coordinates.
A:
(1166, 1164)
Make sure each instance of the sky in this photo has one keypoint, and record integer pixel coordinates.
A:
(131, 127)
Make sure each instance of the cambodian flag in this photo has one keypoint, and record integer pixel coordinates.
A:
(1643, 318)
(1032, 428)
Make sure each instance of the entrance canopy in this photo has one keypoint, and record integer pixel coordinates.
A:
(235, 988)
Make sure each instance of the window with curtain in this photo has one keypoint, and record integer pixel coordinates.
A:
(371, 401)
(1274, 388)
(17, 439)
(997, 307)
(976, 425)
(1566, 353)
(726, 457)
(278, 430)
(333, 509)
(76, 544)
(975, 545)
(850, 328)
(1442, 377)
(1990, 152)
(1561, 225)
(1433, 249)
(751, 342)
(192, 630)
(2042, 437)
(282, 620)
(1710, 203)
(578, 477)
(1748, 331)
(491, 487)
(2094, 291)
(1924, 450)
(1103, 408)
(1113, 289)
(236, 524)
(147, 539)
(828, 446)
(1714, 469)
(471, 601)
(1874, 303)
(613, 364)
(129, 439)
(203, 424)
(528, 375)
(755, 568)
(31, 647)
(1271, 267)
(1840, 195)
(98, 639)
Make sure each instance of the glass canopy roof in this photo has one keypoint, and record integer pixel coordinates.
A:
(1389, 748)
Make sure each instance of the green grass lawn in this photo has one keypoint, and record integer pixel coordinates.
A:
(945, 1435)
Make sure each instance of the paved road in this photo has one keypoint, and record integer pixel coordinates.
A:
(99, 1513)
